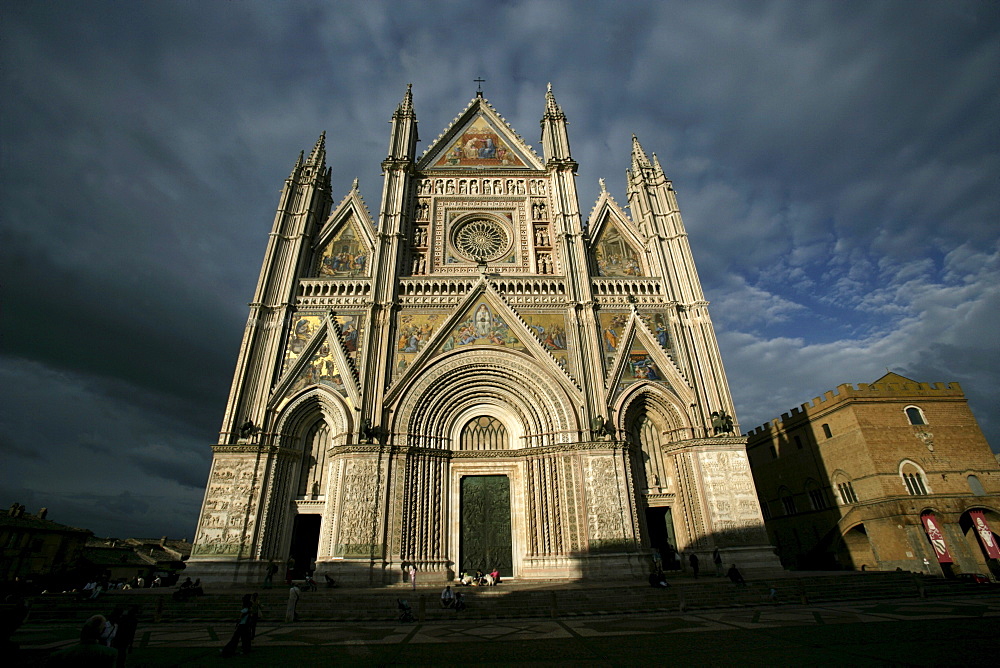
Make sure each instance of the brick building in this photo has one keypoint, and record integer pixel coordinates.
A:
(896, 474)
(35, 548)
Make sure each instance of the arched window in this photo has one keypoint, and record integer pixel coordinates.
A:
(976, 486)
(312, 476)
(914, 479)
(484, 433)
(915, 415)
(787, 500)
(826, 431)
(845, 490)
(815, 493)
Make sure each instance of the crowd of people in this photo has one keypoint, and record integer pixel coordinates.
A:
(480, 579)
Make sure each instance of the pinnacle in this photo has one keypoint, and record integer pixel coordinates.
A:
(318, 155)
(639, 158)
(656, 165)
(405, 108)
(551, 106)
(407, 104)
(298, 163)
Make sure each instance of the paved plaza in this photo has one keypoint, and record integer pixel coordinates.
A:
(941, 632)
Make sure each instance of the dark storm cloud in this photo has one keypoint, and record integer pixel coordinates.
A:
(835, 163)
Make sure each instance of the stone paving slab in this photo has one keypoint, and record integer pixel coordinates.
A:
(863, 633)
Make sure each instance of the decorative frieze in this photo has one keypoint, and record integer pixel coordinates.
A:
(734, 512)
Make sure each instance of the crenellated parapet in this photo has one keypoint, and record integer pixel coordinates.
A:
(898, 387)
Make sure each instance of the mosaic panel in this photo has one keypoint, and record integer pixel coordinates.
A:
(321, 370)
(550, 328)
(345, 255)
(657, 324)
(415, 330)
(612, 327)
(479, 145)
(302, 331)
(615, 256)
(481, 325)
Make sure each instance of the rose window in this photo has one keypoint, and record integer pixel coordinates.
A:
(482, 240)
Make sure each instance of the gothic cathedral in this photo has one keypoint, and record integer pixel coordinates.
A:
(479, 378)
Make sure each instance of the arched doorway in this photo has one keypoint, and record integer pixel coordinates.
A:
(856, 549)
(484, 503)
(979, 526)
(650, 424)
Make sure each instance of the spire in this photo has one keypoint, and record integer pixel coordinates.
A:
(552, 109)
(405, 108)
(656, 166)
(318, 155)
(555, 140)
(639, 159)
(403, 139)
(297, 166)
(354, 186)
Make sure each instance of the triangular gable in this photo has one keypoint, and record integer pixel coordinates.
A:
(640, 359)
(479, 138)
(322, 362)
(345, 243)
(483, 319)
(607, 209)
(616, 248)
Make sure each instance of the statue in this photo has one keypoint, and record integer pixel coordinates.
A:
(247, 430)
(367, 432)
(598, 427)
(722, 423)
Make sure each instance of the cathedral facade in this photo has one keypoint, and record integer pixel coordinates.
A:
(479, 377)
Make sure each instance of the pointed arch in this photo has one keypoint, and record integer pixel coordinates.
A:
(667, 409)
(302, 412)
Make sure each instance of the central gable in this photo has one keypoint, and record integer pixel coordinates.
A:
(479, 138)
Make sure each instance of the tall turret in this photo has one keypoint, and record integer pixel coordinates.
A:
(654, 207)
(555, 139)
(304, 204)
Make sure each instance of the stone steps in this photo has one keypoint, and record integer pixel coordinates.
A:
(509, 600)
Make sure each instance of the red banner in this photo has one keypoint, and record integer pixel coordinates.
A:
(937, 538)
(986, 537)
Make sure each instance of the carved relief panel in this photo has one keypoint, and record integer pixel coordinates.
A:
(605, 501)
(732, 501)
(357, 533)
(228, 518)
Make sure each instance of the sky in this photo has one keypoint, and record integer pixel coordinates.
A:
(835, 162)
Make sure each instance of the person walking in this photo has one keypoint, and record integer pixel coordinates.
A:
(693, 562)
(242, 633)
(272, 568)
(717, 560)
(293, 601)
(256, 614)
(413, 576)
